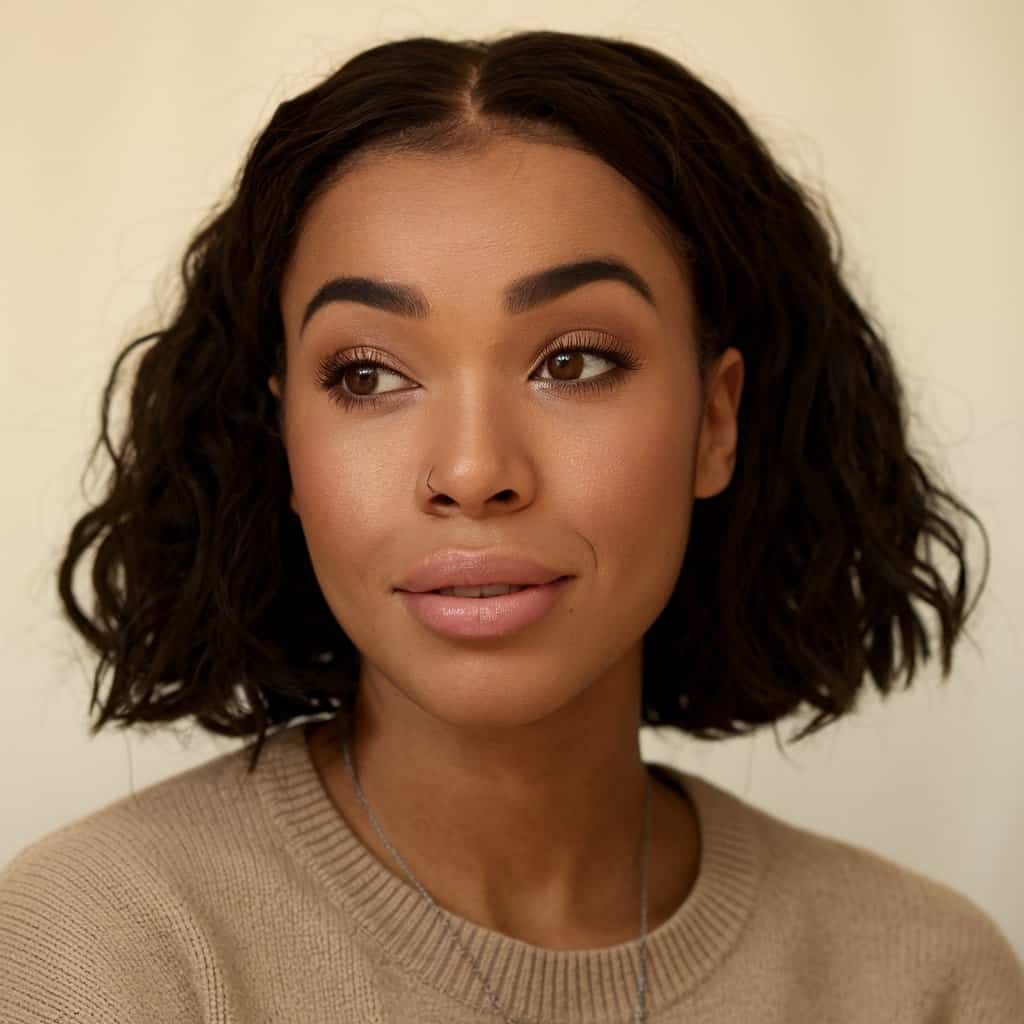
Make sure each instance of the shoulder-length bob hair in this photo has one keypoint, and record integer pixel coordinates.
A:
(798, 577)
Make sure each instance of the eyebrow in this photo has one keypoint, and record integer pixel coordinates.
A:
(522, 295)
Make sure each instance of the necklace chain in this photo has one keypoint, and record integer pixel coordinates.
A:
(640, 1014)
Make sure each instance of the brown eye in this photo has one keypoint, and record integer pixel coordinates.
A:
(565, 365)
(351, 378)
(569, 361)
(362, 379)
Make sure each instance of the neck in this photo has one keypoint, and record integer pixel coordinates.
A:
(537, 840)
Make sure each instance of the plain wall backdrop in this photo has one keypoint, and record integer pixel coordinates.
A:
(123, 123)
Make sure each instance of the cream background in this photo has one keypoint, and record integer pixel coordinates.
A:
(122, 123)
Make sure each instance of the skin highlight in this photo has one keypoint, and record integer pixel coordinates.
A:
(507, 771)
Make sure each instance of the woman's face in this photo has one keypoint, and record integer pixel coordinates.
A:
(595, 482)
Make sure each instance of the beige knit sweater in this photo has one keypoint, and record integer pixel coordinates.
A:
(217, 896)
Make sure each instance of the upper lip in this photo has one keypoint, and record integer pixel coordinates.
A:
(454, 567)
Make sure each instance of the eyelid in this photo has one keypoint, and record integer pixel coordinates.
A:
(332, 367)
(580, 337)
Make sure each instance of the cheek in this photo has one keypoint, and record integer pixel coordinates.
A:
(642, 497)
(342, 496)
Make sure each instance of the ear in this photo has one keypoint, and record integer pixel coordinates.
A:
(716, 447)
(274, 384)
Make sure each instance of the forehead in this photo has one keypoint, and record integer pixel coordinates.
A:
(461, 226)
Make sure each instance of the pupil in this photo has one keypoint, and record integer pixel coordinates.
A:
(567, 361)
(365, 375)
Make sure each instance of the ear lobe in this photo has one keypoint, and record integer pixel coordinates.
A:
(718, 440)
(712, 476)
(274, 384)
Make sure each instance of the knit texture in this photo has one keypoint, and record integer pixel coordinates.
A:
(218, 896)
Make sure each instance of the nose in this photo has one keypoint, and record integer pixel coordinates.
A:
(480, 461)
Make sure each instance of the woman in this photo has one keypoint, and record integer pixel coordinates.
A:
(540, 318)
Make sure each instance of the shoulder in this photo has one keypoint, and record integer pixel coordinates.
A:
(97, 916)
(874, 893)
(853, 910)
(148, 832)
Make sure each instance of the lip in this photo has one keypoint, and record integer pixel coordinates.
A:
(484, 616)
(453, 567)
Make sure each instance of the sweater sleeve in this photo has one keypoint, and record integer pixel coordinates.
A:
(985, 975)
(88, 931)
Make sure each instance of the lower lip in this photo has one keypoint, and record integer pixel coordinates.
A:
(484, 616)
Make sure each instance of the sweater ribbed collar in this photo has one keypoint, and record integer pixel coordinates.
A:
(531, 983)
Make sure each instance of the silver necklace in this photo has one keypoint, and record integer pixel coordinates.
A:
(641, 1013)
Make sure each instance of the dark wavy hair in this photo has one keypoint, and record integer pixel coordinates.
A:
(796, 576)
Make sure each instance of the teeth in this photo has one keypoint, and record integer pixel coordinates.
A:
(492, 591)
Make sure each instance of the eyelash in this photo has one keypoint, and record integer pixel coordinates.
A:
(332, 369)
